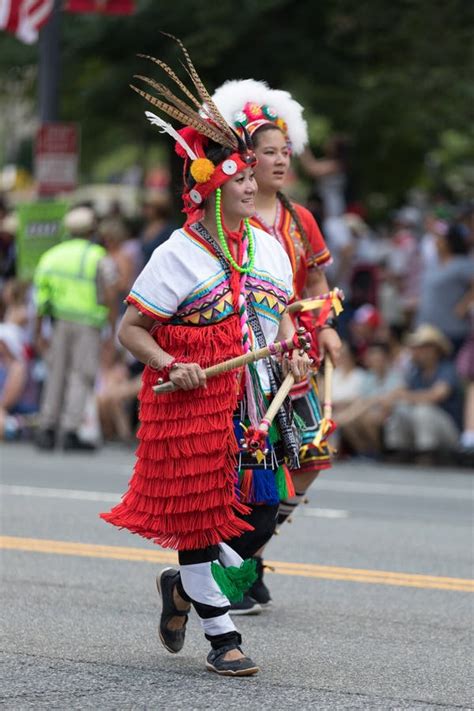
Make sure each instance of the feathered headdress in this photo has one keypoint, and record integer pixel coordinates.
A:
(252, 104)
(203, 122)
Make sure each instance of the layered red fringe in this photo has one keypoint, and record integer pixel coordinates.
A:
(182, 492)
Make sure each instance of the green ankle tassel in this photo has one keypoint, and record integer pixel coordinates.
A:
(281, 483)
(234, 582)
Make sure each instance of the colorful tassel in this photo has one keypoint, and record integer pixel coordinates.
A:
(264, 487)
(246, 486)
(284, 483)
(234, 582)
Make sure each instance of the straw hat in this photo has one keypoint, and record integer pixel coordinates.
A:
(429, 335)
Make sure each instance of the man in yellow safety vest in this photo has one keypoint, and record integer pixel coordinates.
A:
(75, 289)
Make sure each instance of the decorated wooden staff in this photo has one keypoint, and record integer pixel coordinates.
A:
(254, 438)
(301, 339)
(327, 424)
(330, 300)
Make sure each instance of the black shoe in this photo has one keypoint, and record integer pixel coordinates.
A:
(45, 439)
(72, 442)
(247, 606)
(172, 640)
(259, 591)
(238, 667)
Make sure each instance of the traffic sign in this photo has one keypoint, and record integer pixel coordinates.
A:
(56, 158)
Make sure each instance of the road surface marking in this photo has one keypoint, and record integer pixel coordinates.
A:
(322, 513)
(359, 487)
(326, 484)
(110, 497)
(44, 492)
(305, 570)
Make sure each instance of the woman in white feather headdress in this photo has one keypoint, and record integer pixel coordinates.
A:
(275, 122)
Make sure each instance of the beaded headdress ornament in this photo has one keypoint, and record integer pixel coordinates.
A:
(250, 104)
(203, 122)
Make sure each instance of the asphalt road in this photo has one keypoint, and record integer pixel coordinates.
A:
(371, 608)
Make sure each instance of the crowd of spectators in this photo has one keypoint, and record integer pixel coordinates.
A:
(404, 388)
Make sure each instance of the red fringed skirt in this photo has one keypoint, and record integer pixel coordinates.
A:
(182, 493)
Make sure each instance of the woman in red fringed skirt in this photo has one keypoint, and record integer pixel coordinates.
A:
(188, 309)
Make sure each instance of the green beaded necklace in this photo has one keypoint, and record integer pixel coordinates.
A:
(223, 242)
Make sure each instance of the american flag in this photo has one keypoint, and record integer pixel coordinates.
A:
(24, 18)
(106, 7)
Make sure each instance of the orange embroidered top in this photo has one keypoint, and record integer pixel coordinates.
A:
(304, 254)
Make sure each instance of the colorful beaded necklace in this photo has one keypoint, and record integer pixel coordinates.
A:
(223, 242)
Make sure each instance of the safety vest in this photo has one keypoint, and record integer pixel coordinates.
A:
(66, 283)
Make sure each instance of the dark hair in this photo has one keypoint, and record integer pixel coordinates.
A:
(456, 239)
(291, 209)
(338, 147)
(263, 129)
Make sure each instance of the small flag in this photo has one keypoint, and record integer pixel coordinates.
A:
(24, 18)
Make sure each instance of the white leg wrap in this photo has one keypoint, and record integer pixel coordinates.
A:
(217, 625)
(199, 584)
(228, 556)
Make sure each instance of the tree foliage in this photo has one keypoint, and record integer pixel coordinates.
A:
(395, 76)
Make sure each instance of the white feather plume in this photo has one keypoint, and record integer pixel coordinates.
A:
(232, 96)
(168, 128)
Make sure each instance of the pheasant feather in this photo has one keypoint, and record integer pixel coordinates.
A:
(168, 128)
(206, 98)
(170, 97)
(200, 125)
(174, 77)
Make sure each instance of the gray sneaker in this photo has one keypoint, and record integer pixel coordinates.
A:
(247, 606)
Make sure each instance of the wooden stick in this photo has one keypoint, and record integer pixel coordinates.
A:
(316, 302)
(328, 371)
(240, 361)
(278, 400)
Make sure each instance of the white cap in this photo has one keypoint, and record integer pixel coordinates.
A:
(10, 223)
(80, 221)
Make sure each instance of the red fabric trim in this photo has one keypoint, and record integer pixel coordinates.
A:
(182, 492)
(144, 310)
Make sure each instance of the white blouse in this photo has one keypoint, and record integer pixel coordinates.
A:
(185, 283)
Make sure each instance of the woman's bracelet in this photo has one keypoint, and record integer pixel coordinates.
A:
(165, 372)
(329, 323)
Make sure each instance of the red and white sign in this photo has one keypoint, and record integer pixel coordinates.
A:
(56, 158)
(24, 18)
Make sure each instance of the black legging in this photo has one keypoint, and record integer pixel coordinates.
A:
(263, 518)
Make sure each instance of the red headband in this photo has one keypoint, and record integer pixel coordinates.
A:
(208, 176)
(235, 163)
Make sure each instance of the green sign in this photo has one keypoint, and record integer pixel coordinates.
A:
(41, 227)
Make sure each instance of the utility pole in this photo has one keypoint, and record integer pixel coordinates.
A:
(49, 62)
